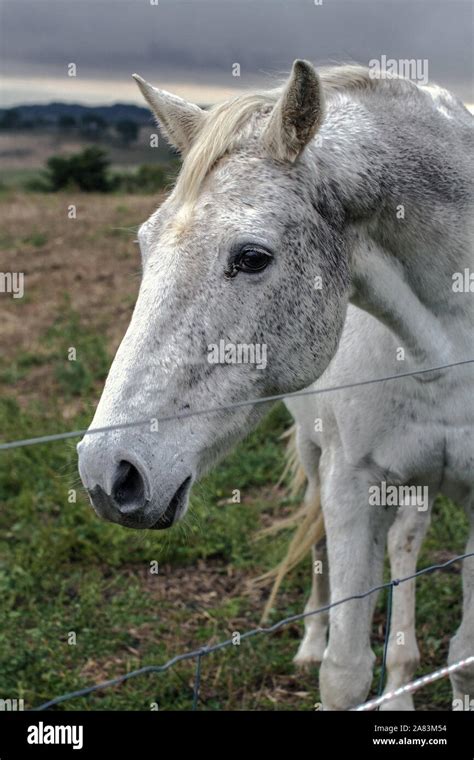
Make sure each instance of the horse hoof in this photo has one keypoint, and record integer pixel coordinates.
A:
(309, 655)
(404, 702)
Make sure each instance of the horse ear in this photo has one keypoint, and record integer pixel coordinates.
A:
(179, 120)
(297, 115)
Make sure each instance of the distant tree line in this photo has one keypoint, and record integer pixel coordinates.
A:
(89, 125)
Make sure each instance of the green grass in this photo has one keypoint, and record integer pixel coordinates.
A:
(81, 356)
(63, 571)
(36, 239)
(6, 241)
(20, 178)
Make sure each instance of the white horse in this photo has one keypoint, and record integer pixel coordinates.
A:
(334, 436)
(342, 427)
(291, 203)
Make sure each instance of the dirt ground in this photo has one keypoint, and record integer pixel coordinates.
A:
(92, 258)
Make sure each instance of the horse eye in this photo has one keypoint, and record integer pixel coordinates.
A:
(253, 260)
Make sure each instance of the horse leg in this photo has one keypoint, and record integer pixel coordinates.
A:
(462, 643)
(312, 647)
(356, 537)
(403, 657)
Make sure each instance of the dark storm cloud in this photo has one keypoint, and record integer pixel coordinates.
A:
(201, 39)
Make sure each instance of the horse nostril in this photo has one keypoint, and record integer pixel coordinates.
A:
(128, 491)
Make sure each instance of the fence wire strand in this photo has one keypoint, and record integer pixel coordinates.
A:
(228, 407)
(387, 635)
(410, 688)
(197, 681)
(199, 653)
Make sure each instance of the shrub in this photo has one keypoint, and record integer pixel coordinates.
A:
(86, 170)
(148, 178)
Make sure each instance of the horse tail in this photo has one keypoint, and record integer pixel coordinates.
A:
(308, 519)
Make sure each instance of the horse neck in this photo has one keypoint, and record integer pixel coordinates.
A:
(397, 296)
(407, 233)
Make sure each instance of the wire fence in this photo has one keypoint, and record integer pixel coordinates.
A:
(198, 654)
(413, 686)
(205, 651)
(227, 407)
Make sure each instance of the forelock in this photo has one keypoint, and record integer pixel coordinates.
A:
(223, 128)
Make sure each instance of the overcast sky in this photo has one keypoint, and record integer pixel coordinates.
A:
(189, 46)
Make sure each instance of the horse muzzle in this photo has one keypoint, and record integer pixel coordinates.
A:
(122, 490)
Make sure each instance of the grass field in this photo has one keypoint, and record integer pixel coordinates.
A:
(63, 572)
